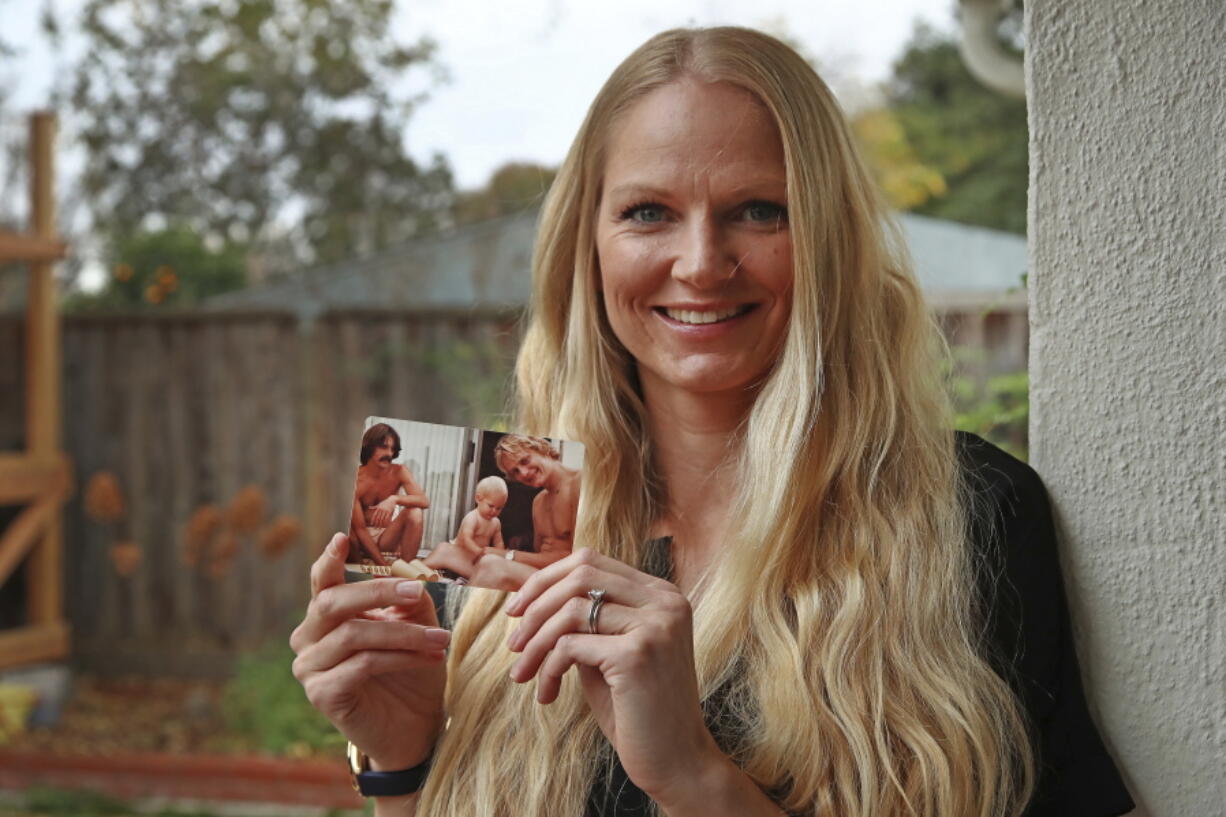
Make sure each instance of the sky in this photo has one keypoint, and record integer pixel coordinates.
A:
(522, 73)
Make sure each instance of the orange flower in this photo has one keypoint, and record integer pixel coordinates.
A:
(221, 556)
(278, 536)
(166, 278)
(224, 547)
(246, 511)
(199, 532)
(122, 272)
(126, 557)
(103, 498)
(154, 294)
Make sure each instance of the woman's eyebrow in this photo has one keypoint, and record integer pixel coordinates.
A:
(635, 189)
(766, 184)
(762, 185)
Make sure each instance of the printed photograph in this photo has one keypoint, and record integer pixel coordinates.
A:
(465, 505)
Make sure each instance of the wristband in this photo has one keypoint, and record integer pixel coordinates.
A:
(384, 784)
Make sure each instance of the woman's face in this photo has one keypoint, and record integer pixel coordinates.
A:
(692, 237)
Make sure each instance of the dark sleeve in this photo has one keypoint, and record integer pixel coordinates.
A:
(438, 594)
(1029, 636)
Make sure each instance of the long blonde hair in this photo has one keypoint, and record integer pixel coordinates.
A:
(838, 625)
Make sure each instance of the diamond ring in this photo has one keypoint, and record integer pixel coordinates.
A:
(597, 597)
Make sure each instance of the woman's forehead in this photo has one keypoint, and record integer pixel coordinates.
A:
(694, 132)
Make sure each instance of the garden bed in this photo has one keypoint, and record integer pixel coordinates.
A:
(167, 739)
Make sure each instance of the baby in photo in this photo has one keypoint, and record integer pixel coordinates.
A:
(480, 529)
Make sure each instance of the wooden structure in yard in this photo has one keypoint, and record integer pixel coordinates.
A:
(40, 477)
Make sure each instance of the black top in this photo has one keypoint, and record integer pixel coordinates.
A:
(1031, 645)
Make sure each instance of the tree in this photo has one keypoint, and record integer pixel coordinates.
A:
(253, 120)
(164, 268)
(12, 138)
(513, 187)
(949, 125)
(907, 182)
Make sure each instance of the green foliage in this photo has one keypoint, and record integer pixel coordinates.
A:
(974, 138)
(171, 267)
(513, 187)
(41, 801)
(248, 119)
(477, 373)
(997, 409)
(265, 704)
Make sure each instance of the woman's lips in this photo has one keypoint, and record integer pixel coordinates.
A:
(704, 316)
(703, 323)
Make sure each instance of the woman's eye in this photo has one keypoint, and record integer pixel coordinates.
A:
(764, 211)
(644, 213)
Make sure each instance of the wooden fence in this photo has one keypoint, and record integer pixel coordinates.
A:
(187, 410)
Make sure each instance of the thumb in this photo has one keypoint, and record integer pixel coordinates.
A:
(329, 568)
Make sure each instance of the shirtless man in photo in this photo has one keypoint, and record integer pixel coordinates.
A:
(381, 488)
(532, 461)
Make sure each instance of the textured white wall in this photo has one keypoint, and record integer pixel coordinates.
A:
(1128, 366)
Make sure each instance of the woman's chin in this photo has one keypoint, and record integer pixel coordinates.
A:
(708, 381)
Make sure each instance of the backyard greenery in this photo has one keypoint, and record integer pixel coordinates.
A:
(266, 707)
(47, 802)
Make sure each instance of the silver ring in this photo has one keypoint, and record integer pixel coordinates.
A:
(597, 597)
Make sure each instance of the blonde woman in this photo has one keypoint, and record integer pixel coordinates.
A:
(796, 590)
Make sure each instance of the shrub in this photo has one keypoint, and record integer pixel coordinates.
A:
(266, 705)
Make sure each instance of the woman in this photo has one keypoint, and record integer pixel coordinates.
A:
(774, 508)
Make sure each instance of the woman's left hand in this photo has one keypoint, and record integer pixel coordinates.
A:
(637, 671)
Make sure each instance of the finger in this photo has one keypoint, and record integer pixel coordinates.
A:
(338, 603)
(576, 585)
(551, 574)
(329, 568)
(359, 635)
(328, 691)
(613, 619)
(572, 649)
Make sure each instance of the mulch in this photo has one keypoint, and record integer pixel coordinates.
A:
(143, 737)
(105, 716)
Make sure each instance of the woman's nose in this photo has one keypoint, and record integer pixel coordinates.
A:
(702, 260)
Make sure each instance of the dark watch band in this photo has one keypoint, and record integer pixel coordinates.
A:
(385, 784)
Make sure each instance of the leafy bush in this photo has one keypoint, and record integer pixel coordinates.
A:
(265, 704)
(42, 801)
(997, 409)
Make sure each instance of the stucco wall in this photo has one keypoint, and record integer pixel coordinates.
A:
(1128, 364)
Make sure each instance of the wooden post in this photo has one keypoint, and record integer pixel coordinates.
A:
(43, 370)
(41, 471)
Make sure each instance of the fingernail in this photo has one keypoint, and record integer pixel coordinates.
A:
(334, 547)
(410, 590)
(514, 672)
(512, 603)
(437, 635)
(513, 641)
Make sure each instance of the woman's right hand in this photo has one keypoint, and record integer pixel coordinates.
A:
(371, 659)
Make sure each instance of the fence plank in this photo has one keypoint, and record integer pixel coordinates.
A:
(187, 409)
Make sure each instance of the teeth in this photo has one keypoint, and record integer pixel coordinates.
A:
(690, 316)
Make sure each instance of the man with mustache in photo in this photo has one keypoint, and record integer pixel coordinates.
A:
(381, 487)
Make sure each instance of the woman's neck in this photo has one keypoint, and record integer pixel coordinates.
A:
(694, 439)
